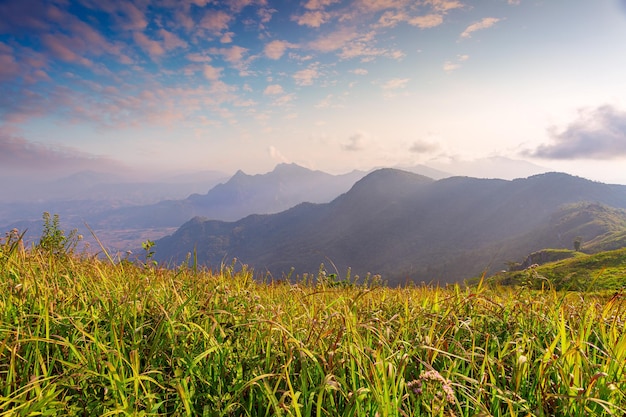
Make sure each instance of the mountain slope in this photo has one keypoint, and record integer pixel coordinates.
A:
(399, 224)
(242, 195)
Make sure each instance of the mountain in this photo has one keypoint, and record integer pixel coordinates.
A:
(242, 195)
(111, 209)
(398, 224)
(84, 196)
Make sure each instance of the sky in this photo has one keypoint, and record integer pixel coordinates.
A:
(182, 85)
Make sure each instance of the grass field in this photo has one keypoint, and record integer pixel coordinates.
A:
(85, 336)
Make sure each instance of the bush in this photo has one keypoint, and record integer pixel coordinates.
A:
(53, 240)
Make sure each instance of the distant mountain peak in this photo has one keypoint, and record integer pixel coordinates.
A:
(282, 165)
(387, 174)
(290, 168)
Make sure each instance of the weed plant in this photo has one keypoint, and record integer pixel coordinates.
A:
(86, 336)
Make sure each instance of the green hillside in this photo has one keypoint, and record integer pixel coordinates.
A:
(579, 272)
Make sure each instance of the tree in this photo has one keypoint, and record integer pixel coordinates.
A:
(578, 241)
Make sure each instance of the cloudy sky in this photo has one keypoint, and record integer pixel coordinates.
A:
(329, 84)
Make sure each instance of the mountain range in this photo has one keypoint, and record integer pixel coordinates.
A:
(124, 224)
(240, 196)
(408, 227)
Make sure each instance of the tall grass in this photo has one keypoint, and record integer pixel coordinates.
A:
(82, 336)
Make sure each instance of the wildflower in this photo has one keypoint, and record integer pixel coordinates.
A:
(434, 390)
(415, 386)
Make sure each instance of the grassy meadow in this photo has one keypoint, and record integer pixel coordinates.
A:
(87, 336)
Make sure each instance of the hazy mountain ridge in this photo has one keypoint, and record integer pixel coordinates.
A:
(402, 225)
(241, 195)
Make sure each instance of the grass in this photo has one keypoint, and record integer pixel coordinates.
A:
(84, 336)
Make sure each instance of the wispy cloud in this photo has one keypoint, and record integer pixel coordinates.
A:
(427, 21)
(319, 4)
(421, 147)
(356, 142)
(395, 84)
(171, 40)
(22, 156)
(485, 23)
(444, 5)
(9, 68)
(236, 56)
(450, 66)
(333, 41)
(150, 46)
(284, 99)
(276, 154)
(598, 133)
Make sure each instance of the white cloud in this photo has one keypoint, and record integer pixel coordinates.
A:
(276, 155)
(319, 4)
(391, 18)
(152, 47)
(211, 73)
(235, 55)
(19, 154)
(171, 40)
(325, 102)
(485, 23)
(306, 76)
(195, 57)
(444, 5)
(423, 147)
(276, 49)
(450, 66)
(284, 99)
(227, 37)
(395, 83)
(334, 40)
(9, 67)
(427, 21)
(598, 133)
(215, 21)
(356, 142)
(274, 89)
(312, 19)
(359, 71)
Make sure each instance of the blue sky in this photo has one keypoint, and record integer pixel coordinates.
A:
(160, 85)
